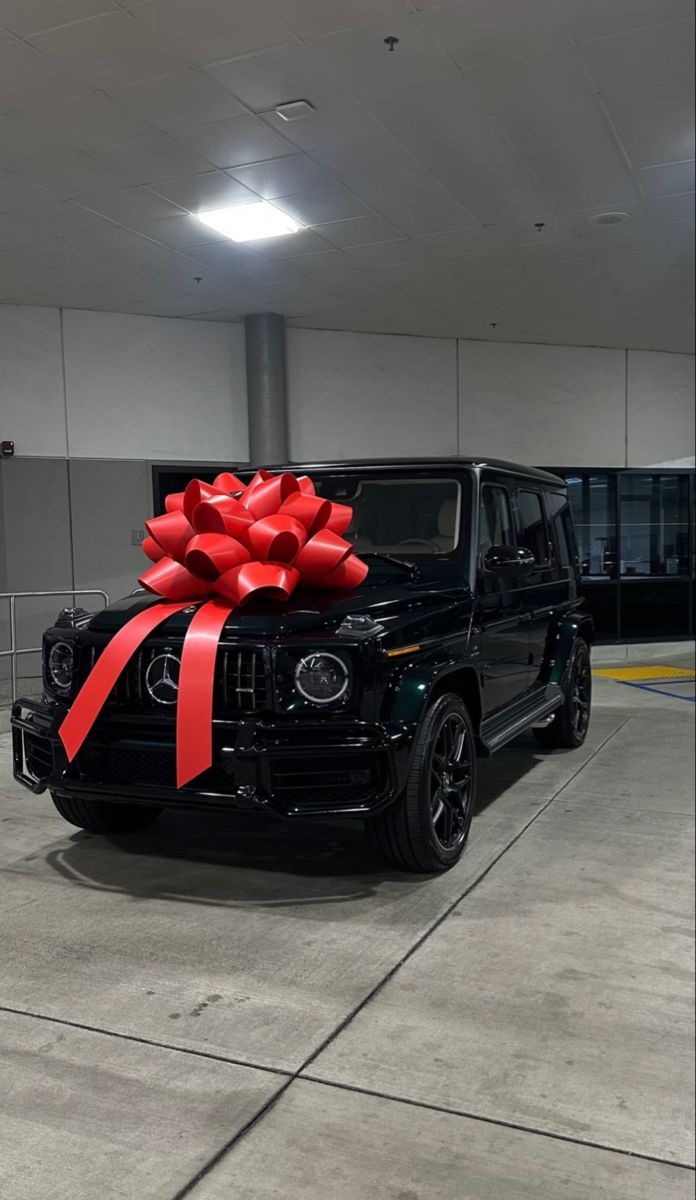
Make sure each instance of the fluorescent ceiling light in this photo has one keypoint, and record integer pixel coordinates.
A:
(249, 222)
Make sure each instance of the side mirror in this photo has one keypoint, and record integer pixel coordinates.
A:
(509, 560)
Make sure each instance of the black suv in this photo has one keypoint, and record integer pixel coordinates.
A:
(373, 703)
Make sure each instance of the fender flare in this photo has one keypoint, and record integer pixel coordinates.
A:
(563, 635)
(410, 692)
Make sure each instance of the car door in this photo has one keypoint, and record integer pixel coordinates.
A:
(539, 594)
(502, 636)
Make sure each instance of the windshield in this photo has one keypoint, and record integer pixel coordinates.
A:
(413, 517)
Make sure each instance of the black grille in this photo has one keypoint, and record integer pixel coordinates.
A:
(38, 756)
(145, 767)
(339, 782)
(242, 682)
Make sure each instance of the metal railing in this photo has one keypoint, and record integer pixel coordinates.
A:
(14, 651)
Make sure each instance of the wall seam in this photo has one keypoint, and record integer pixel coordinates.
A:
(67, 448)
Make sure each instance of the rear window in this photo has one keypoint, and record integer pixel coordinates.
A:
(532, 526)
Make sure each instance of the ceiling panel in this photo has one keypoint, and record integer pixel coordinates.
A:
(476, 32)
(273, 77)
(446, 186)
(153, 159)
(209, 31)
(179, 100)
(600, 18)
(641, 56)
(311, 18)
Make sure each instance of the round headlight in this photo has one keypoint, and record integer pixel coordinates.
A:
(321, 678)
(60, 665)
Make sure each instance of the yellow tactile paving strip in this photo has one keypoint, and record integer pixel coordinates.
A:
(641, 674)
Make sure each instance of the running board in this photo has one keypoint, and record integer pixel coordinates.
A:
(503, 727)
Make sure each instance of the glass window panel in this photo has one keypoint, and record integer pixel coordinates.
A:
(654, 525)
(558, 512)
(532, 534)
(593, 501)
(496, 525)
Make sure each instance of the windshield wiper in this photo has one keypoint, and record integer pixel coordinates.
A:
(403, 564)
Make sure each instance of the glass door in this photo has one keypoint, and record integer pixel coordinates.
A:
(654, 555)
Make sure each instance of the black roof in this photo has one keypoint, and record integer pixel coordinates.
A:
(453, 460)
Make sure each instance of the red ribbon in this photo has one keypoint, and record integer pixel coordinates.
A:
(223, 543)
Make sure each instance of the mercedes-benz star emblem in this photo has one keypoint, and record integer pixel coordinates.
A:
(162, 678)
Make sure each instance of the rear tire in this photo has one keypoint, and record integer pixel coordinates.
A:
(426, 829)
(571, 721)
(102, 816)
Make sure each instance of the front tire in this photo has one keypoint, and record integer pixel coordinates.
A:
(427, 827)
(571, 721)
(102, 816)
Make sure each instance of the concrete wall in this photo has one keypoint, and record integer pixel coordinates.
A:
(372, 394)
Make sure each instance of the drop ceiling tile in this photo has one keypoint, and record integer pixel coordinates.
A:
(214, 189)
(460, 143)
(25, 17)
(520, 233)
(311, 18)
(337, 120)
(180, 100)
(17, 192)
(29, 78)
(488, 282)
(131, 205)
(618, 189)
(679, 233)
(360, 231)
(288, 176)
(621, 239)
(109, 50)
(650, 148)
(328, 262)
(476, 32)
(641, 56)
(386, 254)
(209, 31)
(336, 204)
(564, 250)
(152, 160)
(364, 161)
(411, 275)
(402, 190)
(667, 180)
(501, 87)
(455, 241)
(233, 143)
(597, 18)
(639, 270)
(433, 219)
(568, 277)
(93, 121)
(361, 60)
(536, 125)
(668, 209)
(662, 105)
(274, 77)
(414, 107)
(483, 261)
(582, 160)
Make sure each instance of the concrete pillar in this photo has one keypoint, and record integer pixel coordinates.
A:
(267, 393)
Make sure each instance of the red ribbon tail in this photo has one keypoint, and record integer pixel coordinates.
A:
(94, 692)
(194, 711)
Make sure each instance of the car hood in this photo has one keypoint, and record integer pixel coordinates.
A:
(392, 604)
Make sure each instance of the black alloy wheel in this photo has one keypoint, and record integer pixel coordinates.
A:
(427, 827)
(571, 722)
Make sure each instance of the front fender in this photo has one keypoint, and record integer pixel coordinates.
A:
(411, 690)
(559, 645)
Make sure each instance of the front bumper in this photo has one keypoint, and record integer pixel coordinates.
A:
(293, 767)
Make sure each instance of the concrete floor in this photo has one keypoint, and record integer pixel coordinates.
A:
(219, 1011)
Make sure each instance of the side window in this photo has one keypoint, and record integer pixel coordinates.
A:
(495, 525)
(532, 531)
(559, 515)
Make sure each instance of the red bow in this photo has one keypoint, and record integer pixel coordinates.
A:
(227, 541)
